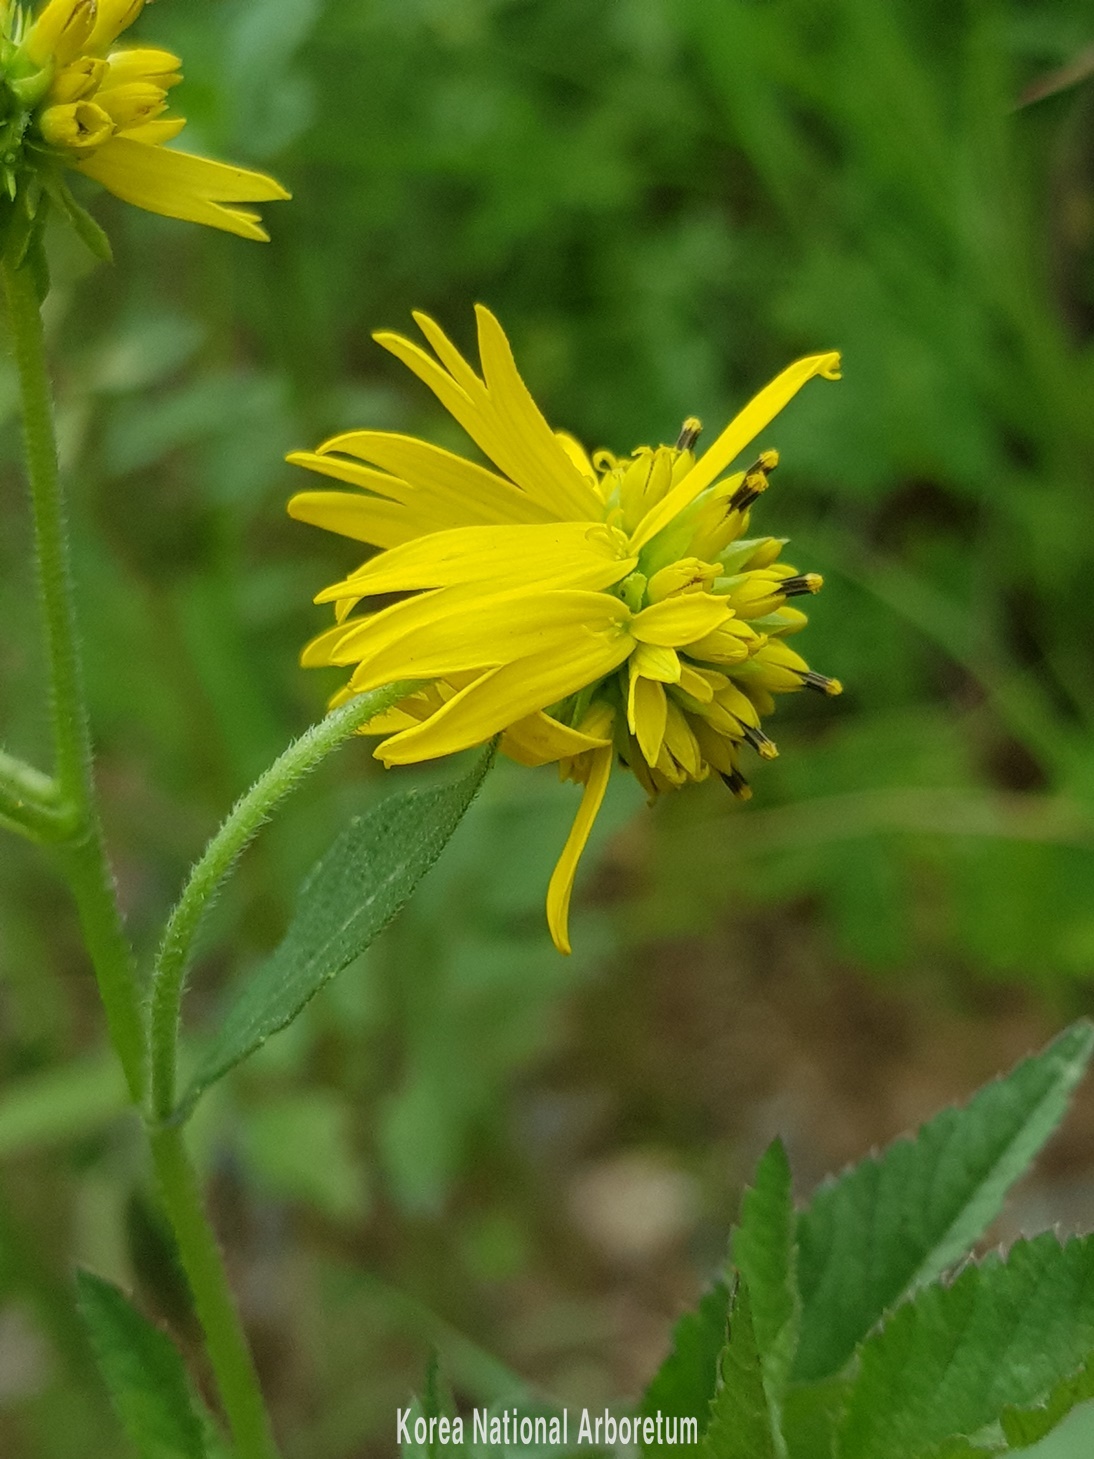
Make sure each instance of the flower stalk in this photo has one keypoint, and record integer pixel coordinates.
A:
(241, 826)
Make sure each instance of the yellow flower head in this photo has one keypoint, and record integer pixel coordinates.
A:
(69, 97)
(586, 609)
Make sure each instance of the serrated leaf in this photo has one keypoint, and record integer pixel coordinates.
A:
(764, 1251)
(742, 1423)
(144, 1374)
(898, 1219)
(954, 1358)
(687, 1380)
(347, 899)
(1025, 1426)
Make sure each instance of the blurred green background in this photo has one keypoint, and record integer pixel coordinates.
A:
(469, 1143)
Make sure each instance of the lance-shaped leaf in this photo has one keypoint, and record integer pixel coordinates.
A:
(686, 1381)
(144, 1374)
(764, 1252)
(743, 1425)
(347, 899)
(899, 1219)
(954, 1358)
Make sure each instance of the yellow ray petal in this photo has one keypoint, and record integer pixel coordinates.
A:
(364, 518)
(482, 495)
(153, 134)
(318, 652)
(541, 740)
(535, 554)
(504, 696)
(179, 185)
(490, 632)
(758, 413)
(579, 456)
(562, 880)
(542, 454)
(500, 417)
(676, 621)
(428, 511)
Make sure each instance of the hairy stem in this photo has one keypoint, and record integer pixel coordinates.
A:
(83, 855)
(201, 1259)
(246, 818)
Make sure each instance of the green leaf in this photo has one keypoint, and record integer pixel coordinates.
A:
(143, 1372)
(742, 1423)
(686, 1381)
(84, 225)
(1025, 1426)
(897, 1220)
(347, 899)
(764, 1252)
(811, 1415)
(954, 1358)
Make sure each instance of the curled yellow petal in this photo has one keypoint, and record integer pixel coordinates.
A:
(562, 880)
(540, 740)
(758, 413)
(505, 695)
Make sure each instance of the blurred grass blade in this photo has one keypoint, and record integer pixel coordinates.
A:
(55, 1106)
(347, 899)
(897, 1220)
(144, 1374)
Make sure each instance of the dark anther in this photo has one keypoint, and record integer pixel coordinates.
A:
(689, 434)
(763, 744)
(821, 684)
(797, 587)
(754, 483)
(737, 784)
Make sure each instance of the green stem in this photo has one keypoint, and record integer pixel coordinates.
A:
(242, 825)
(71, 735)
(83, 854)
(201, 1258)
